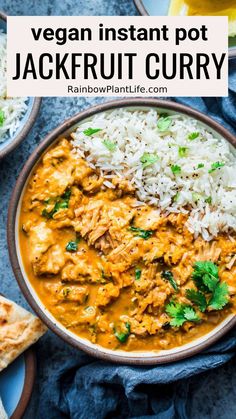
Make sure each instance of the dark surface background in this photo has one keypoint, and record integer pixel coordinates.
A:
(213, 394)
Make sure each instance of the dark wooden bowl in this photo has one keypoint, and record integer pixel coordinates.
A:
(137, 358)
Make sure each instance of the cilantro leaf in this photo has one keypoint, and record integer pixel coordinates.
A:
(180, 313)
(200, 165)
(196, 196)
(163, 123)
(109, 145)
(144, 234)
(66, 195)
(211, 293)
(169, 276)
(163, 115)
(122, 336)
(208, 200)
(61, 203)
(210, 281)
(2, 118)
(72, 246)
(197, 298)
(206, 278)
(215, 166)
(183, 151)
(176, 197)
(190, 314)
(138, 273)
(91, 131)
(175, 311)
(193, 136)
(47, 214)
(176, 169)
(207, 266)
(148, 159)
(205, 275)
(66, 292)
(105, 277)
(220, 296)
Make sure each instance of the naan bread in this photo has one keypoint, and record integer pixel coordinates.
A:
(18, 330)
(3, 414)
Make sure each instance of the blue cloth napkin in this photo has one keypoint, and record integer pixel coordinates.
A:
(223, 110)
(82, 387)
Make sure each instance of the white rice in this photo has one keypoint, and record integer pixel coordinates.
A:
(13, 108)
(136, 133)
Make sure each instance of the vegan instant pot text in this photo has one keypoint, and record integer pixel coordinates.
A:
(95, 50)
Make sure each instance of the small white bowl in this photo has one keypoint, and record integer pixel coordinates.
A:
(27, 121)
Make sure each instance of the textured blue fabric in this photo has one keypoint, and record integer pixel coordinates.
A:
(223, 110)
(85, 388)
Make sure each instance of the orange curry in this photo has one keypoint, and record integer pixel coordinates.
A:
(121, 275)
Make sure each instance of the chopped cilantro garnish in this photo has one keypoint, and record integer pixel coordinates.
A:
(138, 273)
(61, 203)
(196, 196)
(72, 246)
(208, 200)
(163, 123)
(180, 313)
(109, 145)
(122, 336)
(176, 197)
(176, 169)
(91, 131)
(210, 294)
(215, 166)
(105, 277)
(47, 214)
(193, 136)
(66, 292)
(66, 195)
(197, 298)
(200, 165)
(220, 296)
(183, 151)
(148, 159)
(2, 118)
(144, 234)
(163, 115)
(205, 275)
(169, 276)
(190, 314)
(206, 278)
(218, 299)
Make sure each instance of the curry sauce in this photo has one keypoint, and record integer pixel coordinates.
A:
(112, 270)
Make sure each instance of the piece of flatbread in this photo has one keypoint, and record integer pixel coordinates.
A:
(18, 330)
(3, 414)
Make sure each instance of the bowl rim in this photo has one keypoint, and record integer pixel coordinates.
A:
(143, 11)
(29, 122)
(23, 177)
(30, 375)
